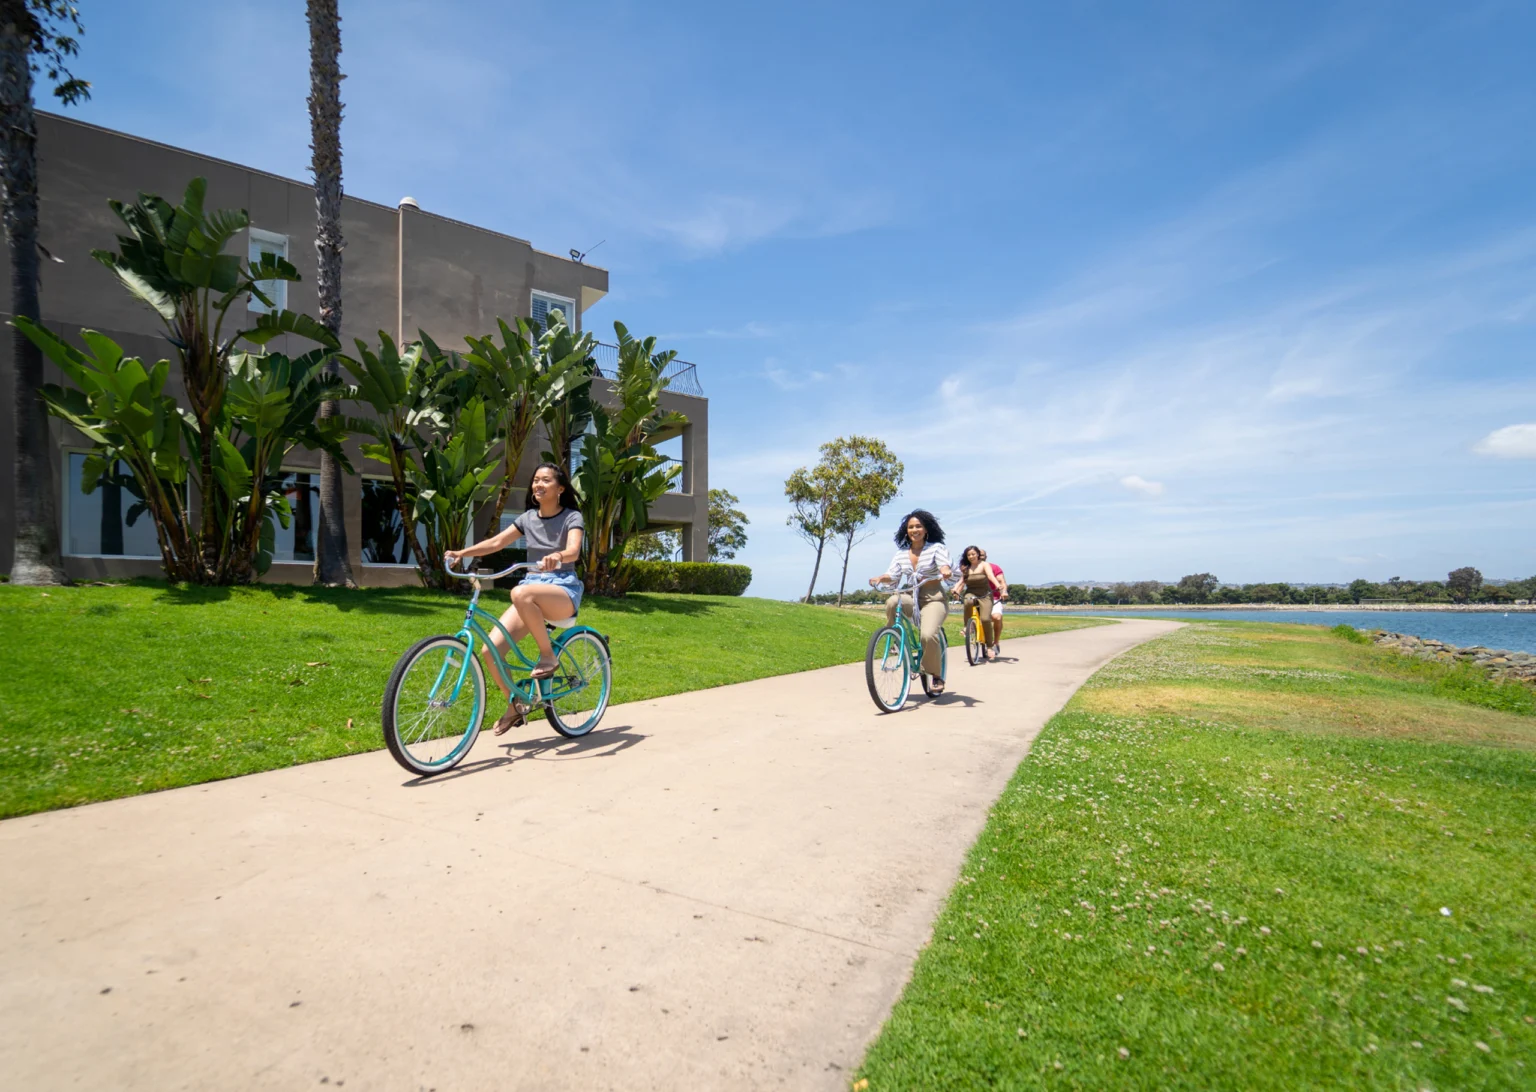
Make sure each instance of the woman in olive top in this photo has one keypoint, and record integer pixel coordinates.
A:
(924, 559)
(553, 528)
(975, 585)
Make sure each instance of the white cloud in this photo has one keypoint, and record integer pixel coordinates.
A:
(1509, 442)
(1137, 484)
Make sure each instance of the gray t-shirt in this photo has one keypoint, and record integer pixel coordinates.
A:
(543, 536)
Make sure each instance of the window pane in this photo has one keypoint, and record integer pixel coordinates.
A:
(277, 291)
(383, 536)
(297, 543)
(109, 522)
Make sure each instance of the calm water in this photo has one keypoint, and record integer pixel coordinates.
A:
(1513, 631)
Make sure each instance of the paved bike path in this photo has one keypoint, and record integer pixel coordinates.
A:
(719, 889)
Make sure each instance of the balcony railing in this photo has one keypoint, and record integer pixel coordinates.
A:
(682, 377)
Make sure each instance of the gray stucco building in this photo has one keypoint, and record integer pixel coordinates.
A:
(405, 269)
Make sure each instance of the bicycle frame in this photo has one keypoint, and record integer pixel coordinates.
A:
(911, 635)
(532, 691)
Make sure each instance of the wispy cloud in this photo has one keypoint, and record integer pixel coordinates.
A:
(1509, 442)
(1137, 484)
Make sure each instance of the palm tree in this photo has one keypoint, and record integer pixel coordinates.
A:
(31, 32)
(332, 563)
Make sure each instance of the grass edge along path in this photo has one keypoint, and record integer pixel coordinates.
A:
(111, 691)
(1187, 885)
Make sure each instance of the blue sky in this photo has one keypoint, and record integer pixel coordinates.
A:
(1134, 290)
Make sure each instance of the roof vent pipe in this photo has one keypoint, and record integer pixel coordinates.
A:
(409, 203)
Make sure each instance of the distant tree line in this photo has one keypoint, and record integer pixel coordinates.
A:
(1464, 585)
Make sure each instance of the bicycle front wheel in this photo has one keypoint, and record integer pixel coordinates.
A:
(576, 696)
(885, 669)
(972, 642)
(943, 664)
(433, 704)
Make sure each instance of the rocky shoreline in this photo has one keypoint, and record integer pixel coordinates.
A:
(1500, 664)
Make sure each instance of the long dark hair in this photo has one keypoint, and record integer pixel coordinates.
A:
(930, 525)
(562, 479)
(965, 557)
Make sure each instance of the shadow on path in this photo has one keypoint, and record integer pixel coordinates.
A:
(600, 743)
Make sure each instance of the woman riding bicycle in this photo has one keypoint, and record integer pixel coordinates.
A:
(553, 529)
(923, 561)
(976, 586)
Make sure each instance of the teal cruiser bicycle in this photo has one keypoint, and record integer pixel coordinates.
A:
(895, 657)
(436, 695)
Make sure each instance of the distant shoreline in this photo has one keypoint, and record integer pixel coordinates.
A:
(1385, 608)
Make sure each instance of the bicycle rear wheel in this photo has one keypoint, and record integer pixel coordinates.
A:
(433, 704)
(943, 665)
(885, 669)
(972, 641)
(577, 694)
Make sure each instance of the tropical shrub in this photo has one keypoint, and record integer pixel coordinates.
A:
(689, 577)
(430, 427)
(246, 410)
(529, 377)
(620, 474)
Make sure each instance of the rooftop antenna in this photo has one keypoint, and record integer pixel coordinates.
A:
(581, 255)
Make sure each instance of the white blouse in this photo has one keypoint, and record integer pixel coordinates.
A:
(934, 557)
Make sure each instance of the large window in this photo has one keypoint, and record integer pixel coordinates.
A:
(383, 533)
(297, 541)
(277, 291)
(545, 302)
(109, 522)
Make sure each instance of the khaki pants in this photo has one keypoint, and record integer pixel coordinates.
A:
(932, 609)
(984, 616)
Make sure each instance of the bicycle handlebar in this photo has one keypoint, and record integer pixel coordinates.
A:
(449, 569)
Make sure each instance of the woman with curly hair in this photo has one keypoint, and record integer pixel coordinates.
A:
(923, 559)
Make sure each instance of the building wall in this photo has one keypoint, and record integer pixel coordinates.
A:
(404, 270)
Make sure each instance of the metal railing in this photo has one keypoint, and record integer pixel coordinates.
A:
(682, 377)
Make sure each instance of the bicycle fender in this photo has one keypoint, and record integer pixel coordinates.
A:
(568, 634)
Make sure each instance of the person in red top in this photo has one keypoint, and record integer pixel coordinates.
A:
(999, 594)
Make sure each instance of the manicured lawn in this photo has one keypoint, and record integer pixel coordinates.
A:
(1224, 866)
(111, 691)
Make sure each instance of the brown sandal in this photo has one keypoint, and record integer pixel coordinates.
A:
(542, 670)
(515, 717)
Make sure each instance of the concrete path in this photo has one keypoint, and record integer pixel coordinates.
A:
(723, 889)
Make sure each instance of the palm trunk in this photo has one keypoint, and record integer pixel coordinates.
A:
(333, 565)
(35, 551)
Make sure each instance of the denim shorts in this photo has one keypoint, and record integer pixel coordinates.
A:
(569, 583)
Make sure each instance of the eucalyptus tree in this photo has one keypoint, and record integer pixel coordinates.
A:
(332, 563)
(866, 476)
(810, 504)
(727, 525)
(34, 34)
(833, 500)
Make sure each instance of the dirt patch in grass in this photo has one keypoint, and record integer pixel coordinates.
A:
(1370, 716)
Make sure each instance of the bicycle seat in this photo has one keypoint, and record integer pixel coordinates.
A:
(564, 623)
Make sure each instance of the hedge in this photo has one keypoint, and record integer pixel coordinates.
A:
(689, 577)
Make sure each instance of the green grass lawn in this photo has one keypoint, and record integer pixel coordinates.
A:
(111, 691)
(1224, 864)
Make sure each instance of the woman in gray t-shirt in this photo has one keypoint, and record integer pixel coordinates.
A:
(552, 528)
